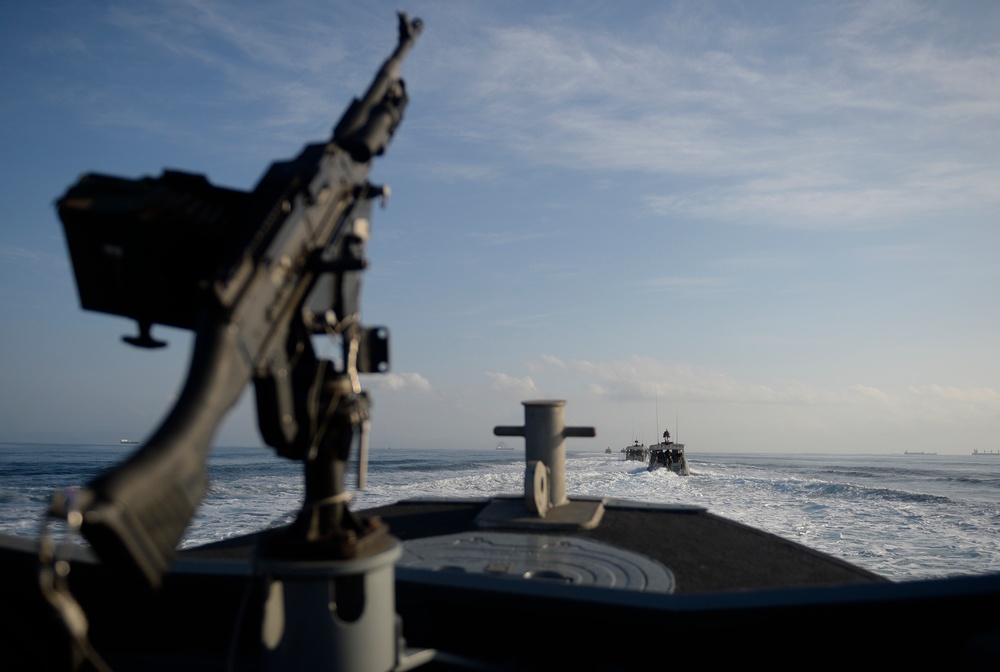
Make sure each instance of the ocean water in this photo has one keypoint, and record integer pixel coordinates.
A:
(902, 516)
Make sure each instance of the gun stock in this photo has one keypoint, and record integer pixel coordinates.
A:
(135, 514)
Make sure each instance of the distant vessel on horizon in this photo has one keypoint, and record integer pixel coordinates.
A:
(129, 441)
(976, 451)
(907, 452)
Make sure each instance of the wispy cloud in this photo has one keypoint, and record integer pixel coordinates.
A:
(261, 65)
(879, 114)
(689, 287)
(646, 378)
(759, 263)
(851, 127)
(507, 384)
(399, 382)
(20, 254)
(931, 404)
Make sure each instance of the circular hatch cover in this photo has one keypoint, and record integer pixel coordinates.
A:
(543, 557)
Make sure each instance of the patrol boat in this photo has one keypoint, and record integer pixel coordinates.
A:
(668, 455)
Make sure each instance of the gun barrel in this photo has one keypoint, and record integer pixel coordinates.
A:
(369, 123)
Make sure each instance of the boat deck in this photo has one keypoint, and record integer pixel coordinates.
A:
(731, 585)
(704, 552)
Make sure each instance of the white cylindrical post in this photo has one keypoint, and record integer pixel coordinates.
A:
(544, 433)
(545, 442)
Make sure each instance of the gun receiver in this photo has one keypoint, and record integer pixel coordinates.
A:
(255, 275)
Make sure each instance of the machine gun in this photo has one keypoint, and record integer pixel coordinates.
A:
(255, 275)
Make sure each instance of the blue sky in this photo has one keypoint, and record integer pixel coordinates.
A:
(770, 225)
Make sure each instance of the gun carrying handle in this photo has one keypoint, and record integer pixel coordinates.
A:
(135, 515)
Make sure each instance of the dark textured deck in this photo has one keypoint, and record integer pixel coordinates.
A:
(705, 552)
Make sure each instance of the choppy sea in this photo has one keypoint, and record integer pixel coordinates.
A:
(902, 516)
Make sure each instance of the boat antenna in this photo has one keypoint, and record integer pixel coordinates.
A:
(656, 398)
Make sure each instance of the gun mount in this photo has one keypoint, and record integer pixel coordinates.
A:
(255, 275)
